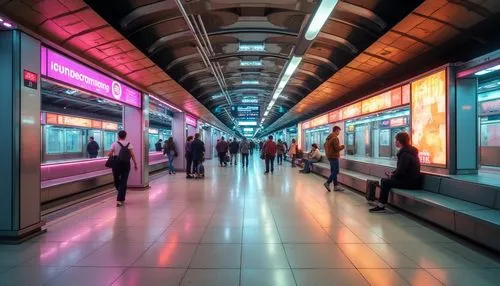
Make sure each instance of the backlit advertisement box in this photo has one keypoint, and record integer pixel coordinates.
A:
(428, 106)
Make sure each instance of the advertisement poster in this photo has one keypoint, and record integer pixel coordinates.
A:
(428, 101)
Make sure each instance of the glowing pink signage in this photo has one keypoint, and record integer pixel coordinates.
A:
(190, 120)
(66, 70)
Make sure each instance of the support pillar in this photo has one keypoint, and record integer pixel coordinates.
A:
(20, 216)
(179, 135)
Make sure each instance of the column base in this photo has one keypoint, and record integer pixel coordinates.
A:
(20, 236)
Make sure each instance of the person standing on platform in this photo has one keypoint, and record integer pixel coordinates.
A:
(122, 152)
(189, 157)
(332, 150)
(158, 145)
(234, 147)
(92, 148)
(269, 152)
(252, 147)
(198, 151)
(222, 148)
(293, 152)
(407, 173)
(286, 149)
(244, 150)
(170, 150)
(280, 151)
(260, 145)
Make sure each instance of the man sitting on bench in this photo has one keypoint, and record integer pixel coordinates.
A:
(406, 175)
(312, 157)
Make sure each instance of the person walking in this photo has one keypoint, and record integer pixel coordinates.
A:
(198, 153)
(407, 173)
(189, 157)
(170, 150)
(286, 149)
(92, 148)
(280, 151)
(252, 147)
(332, 150)
(222, 148)
(269, 152)
(244, 150)
(122, 152)
(234, 148)
(312, 157)
(293, 152)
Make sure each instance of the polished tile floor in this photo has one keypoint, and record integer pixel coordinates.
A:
(241, 227)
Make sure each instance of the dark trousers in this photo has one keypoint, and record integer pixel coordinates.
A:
(189, 163)
(280, 159)
(308, 164)
(222, 158)
(269, 161)
(92, 156)
(334, 171)
(195, 166)
(293, 160)
(244, 158)
(120, 178)
(387, 184)
(251, 151)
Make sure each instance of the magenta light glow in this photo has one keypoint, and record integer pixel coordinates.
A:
(66, 70)
(190, 120)
(169, 105)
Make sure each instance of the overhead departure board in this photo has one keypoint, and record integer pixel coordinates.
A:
(245, 111)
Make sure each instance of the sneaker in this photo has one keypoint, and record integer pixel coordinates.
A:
(377, 209)
(266, 172)
(327, 186)
(119, 204)
(338, 188)
(189, 177)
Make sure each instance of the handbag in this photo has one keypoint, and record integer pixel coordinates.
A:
(110, 163)
(371, 188)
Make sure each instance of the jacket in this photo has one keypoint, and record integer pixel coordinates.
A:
(222, 147)
(244, 147)
(158, 146)
(234, 147)
(269, 148)
(168, 149)
(93, 148)
(408, 167)
(332, 146)
(187, 149)
(280, 148)
(293, 149)
(197, 150)
(314, 155)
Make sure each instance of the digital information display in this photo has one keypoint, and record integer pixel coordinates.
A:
(245, 111)
(428, 100)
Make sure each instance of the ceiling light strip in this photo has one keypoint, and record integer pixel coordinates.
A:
(319, 19)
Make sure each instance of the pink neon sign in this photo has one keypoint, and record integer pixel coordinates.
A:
(66, 70)
(190, 120)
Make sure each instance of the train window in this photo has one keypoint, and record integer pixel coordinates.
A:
(73, 140)
(54, 140)
(109, 138)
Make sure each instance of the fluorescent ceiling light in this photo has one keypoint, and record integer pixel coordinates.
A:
(251, 47)
(244, 100)
(322, 13)
(249, 129)
(247, 123)
(217, 96)
(8, 25)
(488, 70)
(252, 82)
(251, 63)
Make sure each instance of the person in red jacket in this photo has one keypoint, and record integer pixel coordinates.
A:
(269, 151)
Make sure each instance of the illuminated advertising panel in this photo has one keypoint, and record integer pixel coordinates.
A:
(405, 94)
(306, 125)
(428, 103)
(67, 70)
(245, 111)
(352, 110)
(335, 116)
(110, 126)
(376, 103)
(321, 120)
(190, 120)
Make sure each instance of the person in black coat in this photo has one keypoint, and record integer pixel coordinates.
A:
(92, 148)
(197, 152)
(406, 175)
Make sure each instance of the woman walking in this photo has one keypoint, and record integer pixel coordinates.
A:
(293, 152)
(122, 152)
(171, 152)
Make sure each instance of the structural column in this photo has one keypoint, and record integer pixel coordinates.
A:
(179, 135)
(20, 216)
(136, 123)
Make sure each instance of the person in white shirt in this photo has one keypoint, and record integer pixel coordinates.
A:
(312, 157)
(121, 165)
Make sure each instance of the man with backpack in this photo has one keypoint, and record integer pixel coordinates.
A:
(222, 147)
(121, 151)
(234, 147)
(198, 153)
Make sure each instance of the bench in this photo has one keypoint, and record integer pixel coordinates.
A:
(468, 209)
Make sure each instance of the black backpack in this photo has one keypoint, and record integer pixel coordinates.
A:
(124, 155)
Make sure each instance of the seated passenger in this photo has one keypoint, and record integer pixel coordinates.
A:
(406, 175)
(312, 157)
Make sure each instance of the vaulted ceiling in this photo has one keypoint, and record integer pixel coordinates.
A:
(203, 49)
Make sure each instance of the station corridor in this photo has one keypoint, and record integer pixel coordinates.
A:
(240, 227)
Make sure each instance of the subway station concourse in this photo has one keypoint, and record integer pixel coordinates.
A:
(80, 77)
